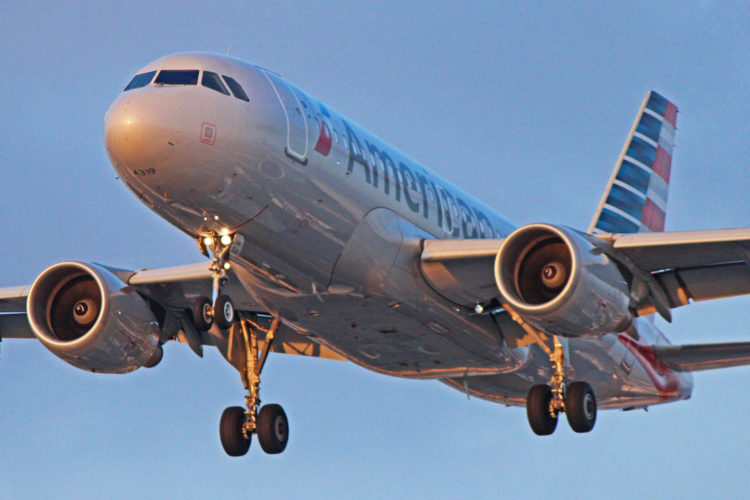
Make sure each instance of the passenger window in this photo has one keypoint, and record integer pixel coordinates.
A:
(140, 80)
(177, 77)
(212, 81)
(236, 88)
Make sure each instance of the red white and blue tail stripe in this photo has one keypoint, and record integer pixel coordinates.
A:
(635, 200)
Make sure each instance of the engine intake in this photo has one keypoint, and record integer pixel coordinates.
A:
(89, 318)
(559, 281)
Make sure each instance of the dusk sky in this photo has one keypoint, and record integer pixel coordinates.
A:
(524, 106)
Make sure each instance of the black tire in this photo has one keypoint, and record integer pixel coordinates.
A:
(580, 406)
(203, 315)
(272, 429)
(537, 410)
(224, 312)
(230, 431)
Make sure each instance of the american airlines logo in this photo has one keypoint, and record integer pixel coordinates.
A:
(420, 193)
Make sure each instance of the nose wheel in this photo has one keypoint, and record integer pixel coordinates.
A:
(269, 422)
(219, 308)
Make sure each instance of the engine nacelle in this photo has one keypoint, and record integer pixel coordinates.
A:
(558, 281)
(86, 316)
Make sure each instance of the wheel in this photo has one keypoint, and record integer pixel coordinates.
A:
(230, 431)
(580, 406)
(272, 429)
(224, 311)
(203, 314)
(537, 410)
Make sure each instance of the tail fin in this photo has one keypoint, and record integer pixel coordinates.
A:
(635, 200)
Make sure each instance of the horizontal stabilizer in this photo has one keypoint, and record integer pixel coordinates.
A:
(691, 358)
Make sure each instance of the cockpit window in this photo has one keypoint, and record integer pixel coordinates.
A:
(212, 81)
(236, 88)
(177, 77)
(141, 80)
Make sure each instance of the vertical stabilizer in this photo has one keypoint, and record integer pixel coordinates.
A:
(635, 200)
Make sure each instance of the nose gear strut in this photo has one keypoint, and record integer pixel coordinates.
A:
(219, 308)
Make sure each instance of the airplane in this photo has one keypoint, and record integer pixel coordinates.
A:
(324, 240)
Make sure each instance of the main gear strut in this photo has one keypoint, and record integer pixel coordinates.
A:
(270, 423)
(544, 402)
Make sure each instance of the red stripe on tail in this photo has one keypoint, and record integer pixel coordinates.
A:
(653, 216)
(662, 163)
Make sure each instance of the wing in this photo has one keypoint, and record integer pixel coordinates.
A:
(686, 266)
(13, 322)
(174, 289)
(689, 265)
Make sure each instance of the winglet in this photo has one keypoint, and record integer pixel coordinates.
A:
(635, 200)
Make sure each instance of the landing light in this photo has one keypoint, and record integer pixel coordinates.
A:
(226, 240)
(208, 241)
(227, 266)
(479, 308)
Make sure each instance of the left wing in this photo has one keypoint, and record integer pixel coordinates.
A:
(687, 266)
(675, 268)
(174, 289)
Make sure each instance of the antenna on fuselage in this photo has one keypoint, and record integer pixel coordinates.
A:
(229, 50)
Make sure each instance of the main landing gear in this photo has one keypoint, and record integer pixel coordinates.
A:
(545, 402)
(270, 423)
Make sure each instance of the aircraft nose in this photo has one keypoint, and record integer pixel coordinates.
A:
(141, 131)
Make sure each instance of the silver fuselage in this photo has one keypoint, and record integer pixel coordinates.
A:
(330, 220)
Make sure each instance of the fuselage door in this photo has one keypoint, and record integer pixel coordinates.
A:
(296, 123)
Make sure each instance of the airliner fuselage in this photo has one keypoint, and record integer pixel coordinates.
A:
(328, 223)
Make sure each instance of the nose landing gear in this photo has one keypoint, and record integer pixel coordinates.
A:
(219, 308)
(544, 402)
(270, 424)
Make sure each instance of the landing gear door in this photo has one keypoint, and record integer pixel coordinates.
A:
(296, 123)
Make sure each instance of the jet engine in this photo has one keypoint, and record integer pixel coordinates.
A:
(559, 281)
(89, 318)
